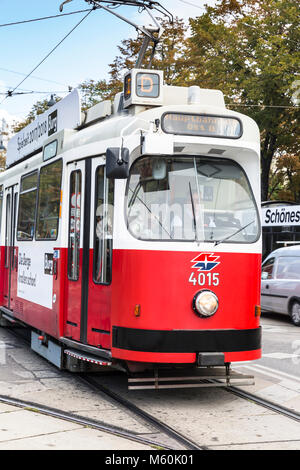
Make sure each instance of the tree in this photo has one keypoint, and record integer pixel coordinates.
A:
(93, 92)
(2, 161)
(251, 50)
(169, 55)
(285, 179)
(247, 48)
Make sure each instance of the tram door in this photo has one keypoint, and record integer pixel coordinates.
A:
(100, 262)
(74, 281)
(10, 257)
(89, 253)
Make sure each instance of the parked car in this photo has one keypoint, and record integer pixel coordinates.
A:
(280, 283)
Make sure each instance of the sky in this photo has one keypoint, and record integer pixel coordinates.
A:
(84, 55)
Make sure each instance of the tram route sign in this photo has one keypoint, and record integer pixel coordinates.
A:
(202, 125)
(143, 87)
(66, 114)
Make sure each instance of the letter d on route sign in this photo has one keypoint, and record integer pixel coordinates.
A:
(147, 84)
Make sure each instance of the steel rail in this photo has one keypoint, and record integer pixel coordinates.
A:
(162, 427)
(159, 425)
(230, 389)
(81, 420)
(264, 403)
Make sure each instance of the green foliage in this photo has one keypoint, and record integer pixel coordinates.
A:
(169, 55)
(2, 161)
(251, 51)
(93, 92)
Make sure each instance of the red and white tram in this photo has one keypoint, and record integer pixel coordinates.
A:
(130, 235)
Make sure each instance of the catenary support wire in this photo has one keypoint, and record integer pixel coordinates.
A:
(49, 53)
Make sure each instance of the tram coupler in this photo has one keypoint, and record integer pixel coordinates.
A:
(210, 359)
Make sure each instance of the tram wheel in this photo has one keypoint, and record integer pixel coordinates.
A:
(295, 313)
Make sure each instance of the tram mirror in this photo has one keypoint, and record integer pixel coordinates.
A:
(117, 163)
(159, 169)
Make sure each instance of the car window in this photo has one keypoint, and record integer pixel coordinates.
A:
(267, 269)
(288, 267)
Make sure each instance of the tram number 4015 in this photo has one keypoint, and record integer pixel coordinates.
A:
(209, 279)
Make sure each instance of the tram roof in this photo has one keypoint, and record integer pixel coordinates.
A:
(70, 128)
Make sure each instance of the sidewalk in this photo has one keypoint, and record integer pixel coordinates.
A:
(28, 430)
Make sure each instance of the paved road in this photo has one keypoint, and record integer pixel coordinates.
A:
(211, 417)
(281, 344)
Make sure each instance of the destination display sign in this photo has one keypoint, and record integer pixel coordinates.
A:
(66, 114)
(202, 125)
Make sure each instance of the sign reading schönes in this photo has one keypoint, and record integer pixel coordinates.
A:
(279, 216)
(66, 114)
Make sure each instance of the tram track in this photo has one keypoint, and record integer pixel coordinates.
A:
(158, 425)
(174, 435)
(80, 420)
(191, 445)
(264, 403)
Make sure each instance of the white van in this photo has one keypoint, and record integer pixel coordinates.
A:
(280, 282)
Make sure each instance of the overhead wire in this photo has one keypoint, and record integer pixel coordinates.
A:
(262, 106)
(32, 76)
(192, 4)
(43, 18)
(28, 92)
(49, 53)
(11, 92)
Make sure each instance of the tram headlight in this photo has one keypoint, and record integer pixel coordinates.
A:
(205, 303)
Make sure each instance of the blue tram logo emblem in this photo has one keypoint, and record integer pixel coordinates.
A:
(205, 262)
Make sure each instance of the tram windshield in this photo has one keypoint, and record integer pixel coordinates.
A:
(190, 198)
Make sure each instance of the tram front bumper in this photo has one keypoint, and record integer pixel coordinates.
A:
(186, 341)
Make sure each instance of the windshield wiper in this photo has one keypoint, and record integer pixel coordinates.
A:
(233, 234)
(135, 193)
(194, 215)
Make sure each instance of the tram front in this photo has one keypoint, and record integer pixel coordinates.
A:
(187, 248)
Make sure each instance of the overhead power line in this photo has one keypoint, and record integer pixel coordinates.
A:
(33, 76)
(262, 106)
(49, 53)
(9, 93)
(42, 18)
(192, 4)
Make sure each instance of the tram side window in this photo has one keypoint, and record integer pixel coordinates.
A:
(49, 201)
(74, 225)
(27, 205)
(7, 230)
(267, 269)
(103, 230)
